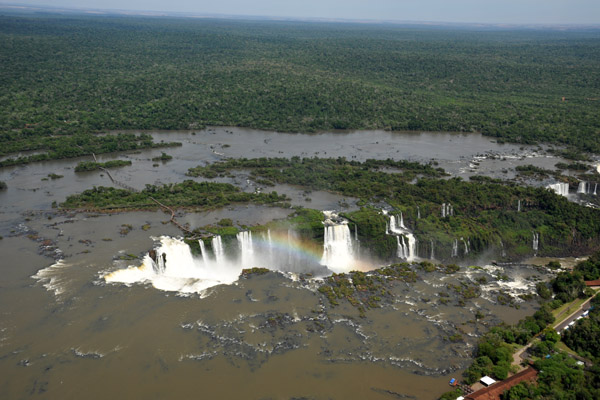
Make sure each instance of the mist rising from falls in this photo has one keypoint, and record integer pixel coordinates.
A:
(171, 266)
(217, 245)
(203, 251)
(246, 249)
(176, 269)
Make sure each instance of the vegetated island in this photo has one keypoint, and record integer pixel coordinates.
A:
(85, 166)
(485, 214)
(103, 73)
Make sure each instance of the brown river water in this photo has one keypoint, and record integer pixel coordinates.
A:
(65, 333)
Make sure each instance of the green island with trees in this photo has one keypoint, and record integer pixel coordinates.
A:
(484, 211)
(85, 166)
(103, 73)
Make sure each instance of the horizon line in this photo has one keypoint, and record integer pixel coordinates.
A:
(195, 15)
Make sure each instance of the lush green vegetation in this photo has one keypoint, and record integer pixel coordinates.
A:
(47, 146)
(584, 336)
(163, 157)
(64, 77)
(185, 194)
(485, 211)
(93, 166)
(560, 377)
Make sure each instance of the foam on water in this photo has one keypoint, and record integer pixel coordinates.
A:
(181, 273)
(52, 277)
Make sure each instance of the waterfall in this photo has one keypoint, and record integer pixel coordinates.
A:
(503, 251)
(536, 242)
(455, 248)
(217, 246)
(560, 188)
(586, 188)
(406, 241)
(400, 249)
(519, 205)
(172, 267)
(466, 246)
(356, 233)
(402, 221)
(203, 252)
(432, 256)
(161, 262)
(418, 213)
(246, 249)
(412, 246)
(447, 210)
(337, 248)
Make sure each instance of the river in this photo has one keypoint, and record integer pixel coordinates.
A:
(67, 333)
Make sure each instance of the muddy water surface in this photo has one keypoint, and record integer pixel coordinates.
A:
(66, 333)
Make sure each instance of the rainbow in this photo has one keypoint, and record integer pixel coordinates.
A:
(303, 249)
(286, 242)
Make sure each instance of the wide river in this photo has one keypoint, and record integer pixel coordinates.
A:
(65, 333)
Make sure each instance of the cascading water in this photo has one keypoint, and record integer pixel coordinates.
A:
(171, 266)
(203, 251)
(447, 210)
(402, 221)
(466, 244)
(406, 241)
(175, 269)
(519, 205)
(536, 242)
(418, 213)
(432, 256)
(586, 188)
(246, 248)
(217, 246)
(560, 188)
(338, 252)
(455, 248)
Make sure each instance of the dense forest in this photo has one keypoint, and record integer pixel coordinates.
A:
(64, 78)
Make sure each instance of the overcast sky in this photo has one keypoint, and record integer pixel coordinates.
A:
(483, 11)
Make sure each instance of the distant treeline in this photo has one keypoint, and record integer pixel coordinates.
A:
(66, 77)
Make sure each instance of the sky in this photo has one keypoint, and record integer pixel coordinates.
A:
(470, 11)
